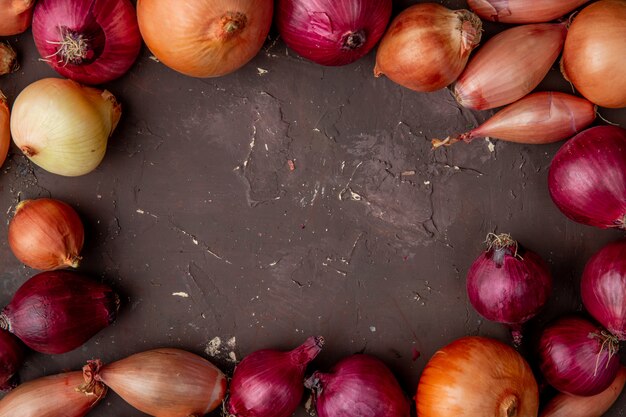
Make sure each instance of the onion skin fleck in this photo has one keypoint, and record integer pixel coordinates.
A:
(523, 11)
(15, 16)
(427, 46)
(593, 56)
(477, 377)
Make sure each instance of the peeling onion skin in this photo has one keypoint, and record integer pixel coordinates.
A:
(523, 11)
(593, 56)
(15, 16)
(477, 377)
(587, 177)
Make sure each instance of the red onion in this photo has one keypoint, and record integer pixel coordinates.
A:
(11, 358)
(543, 117)
(359, 385)
(508, 284)
(331, 32)
(58, 311)
(89, 41)
(578, 357)
(603, 288)
(587, 178)
(268, 383)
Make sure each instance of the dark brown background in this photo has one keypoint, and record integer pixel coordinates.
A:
(344, 246)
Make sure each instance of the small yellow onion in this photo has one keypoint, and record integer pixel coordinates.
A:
(63, 126)
(477, 377)
(46, 234)
(15, 16)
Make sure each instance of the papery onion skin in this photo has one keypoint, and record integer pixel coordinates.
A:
(15, 16)
(88, 41)
(8, 59)
(163, 382)
(477, 377)
(508, 284)
(565, 405)
(603, 288)
(427, 46)
(46, 234)
(58, 311)
(578, 357)
(523, 11)
(205, 38)
(52, 396)
(587, 177)
(268, 383)
(63, 126)
(538, 118)
(5, 128)
(331, 32)
(593, 56)
(11, 358)
(510, 65)
(359, 385)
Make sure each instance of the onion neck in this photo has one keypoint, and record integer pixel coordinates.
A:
(5, 323)
(233, 23)
(353, 40)
(509, 406)
(471, 28)
(502, 245)
(73, 261)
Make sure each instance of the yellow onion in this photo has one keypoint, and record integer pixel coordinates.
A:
(15, 16)
(63, 126)
(46, 234)
(8, 59)
(477, 377)
(5, 129)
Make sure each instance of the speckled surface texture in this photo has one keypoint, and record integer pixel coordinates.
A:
(218, 246)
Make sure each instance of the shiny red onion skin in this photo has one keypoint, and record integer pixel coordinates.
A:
(317, 29)
(568, 356)
(58, 311)
(359, 385)
(523, 11)
(510, 65)
(603, 288)
(111, 30)
(268, 383)
(587, 178)
(11, 359)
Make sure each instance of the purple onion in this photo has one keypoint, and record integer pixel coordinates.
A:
(11, 359)
(578, 357)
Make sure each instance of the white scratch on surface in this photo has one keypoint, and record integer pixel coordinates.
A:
(262, 71)
(180, 294)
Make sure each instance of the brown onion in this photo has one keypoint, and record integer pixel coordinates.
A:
(59, 395)
(46, 234)
(510, 65)
(5, 128)
(163, 382)
(8, 59)
(427, 46)
(594, 57)
(15, 16)
(523, 11)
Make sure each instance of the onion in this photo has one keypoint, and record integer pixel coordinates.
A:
(62, 126)
(163, 382)
(603, 288)
(508, 284)
(8, 59)
(56, 312)
(329, 32)
(427, 46)
(538, 118)
(523, 11)
(510, 65)
(52, 396)
(46, 234)
(89, 41)
(205, 38)
(268, 383)
(578, 357)
(565, 405)
(587, 178)
(593, 57)
(15, 16)
(5, 129)
(477, 377)
(359, 385)
(11, 358)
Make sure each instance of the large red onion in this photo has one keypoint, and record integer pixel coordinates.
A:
(359, 385)
(508, 284)
(578, 357)
(603, 287)
(11, 358)
(268, 383)
(331, 32)
(587, 178)
(58, 311)
(89, 41)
